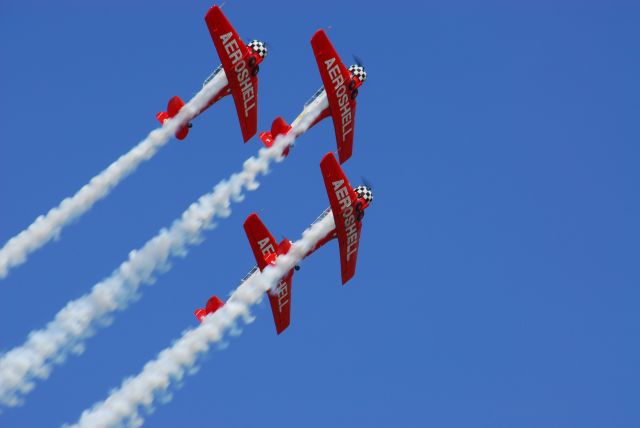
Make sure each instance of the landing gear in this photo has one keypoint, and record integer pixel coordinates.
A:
(297, 267)
(255, 70)
(190, 125)
(354, 94)
(252, 61)
(352, 85)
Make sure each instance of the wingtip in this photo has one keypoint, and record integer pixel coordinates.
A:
(317, 38)
(281, 328)
(251, 217)
(328, 158)
(246, 136)
(346, 279)
(213, 8)
(343, 159)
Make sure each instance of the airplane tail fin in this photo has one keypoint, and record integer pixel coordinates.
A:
(213, 304)
(200, 313)
(279, 127)
(173, 108)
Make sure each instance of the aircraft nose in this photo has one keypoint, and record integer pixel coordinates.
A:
(259, 47)
(365, 193)
(359, 72)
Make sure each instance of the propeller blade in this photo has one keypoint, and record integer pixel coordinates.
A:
(366, 183)
(358, 60)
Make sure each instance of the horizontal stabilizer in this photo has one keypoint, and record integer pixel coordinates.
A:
(279, 127)
(213, 304)
(162, 117)
(173, 108)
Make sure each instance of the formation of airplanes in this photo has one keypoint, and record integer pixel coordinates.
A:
(240, 64)
(348, 206)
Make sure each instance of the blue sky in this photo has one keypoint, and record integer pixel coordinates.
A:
(497, 282)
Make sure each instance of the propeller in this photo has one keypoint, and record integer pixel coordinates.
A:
(358, 60)
(367, 183)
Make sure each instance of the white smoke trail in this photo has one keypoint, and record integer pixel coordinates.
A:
(170, 366)
(78, 319)
(47, 227)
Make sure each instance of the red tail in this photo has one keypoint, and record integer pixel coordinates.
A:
(279, 127)
(213, 305)
(173, 108)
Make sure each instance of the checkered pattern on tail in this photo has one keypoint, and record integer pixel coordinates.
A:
(258, 47)
(364, 192)
(358, 71)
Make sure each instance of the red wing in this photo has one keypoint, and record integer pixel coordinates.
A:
(233, 54)
(261, 241)
(263, 245)
(280, 300)
(336, 79)
(342, 199)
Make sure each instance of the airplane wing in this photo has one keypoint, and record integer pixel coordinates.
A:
(243, 82)
(336, 79)
(261, 241)
(342, 198)
(265, 249)
(280, 301)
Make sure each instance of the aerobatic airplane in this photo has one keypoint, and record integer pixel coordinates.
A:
(241, 64)
(347, 205)
(337, 97)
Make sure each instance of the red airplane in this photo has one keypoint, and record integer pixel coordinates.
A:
(337, 96)
(346, 203)
(241, 64)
